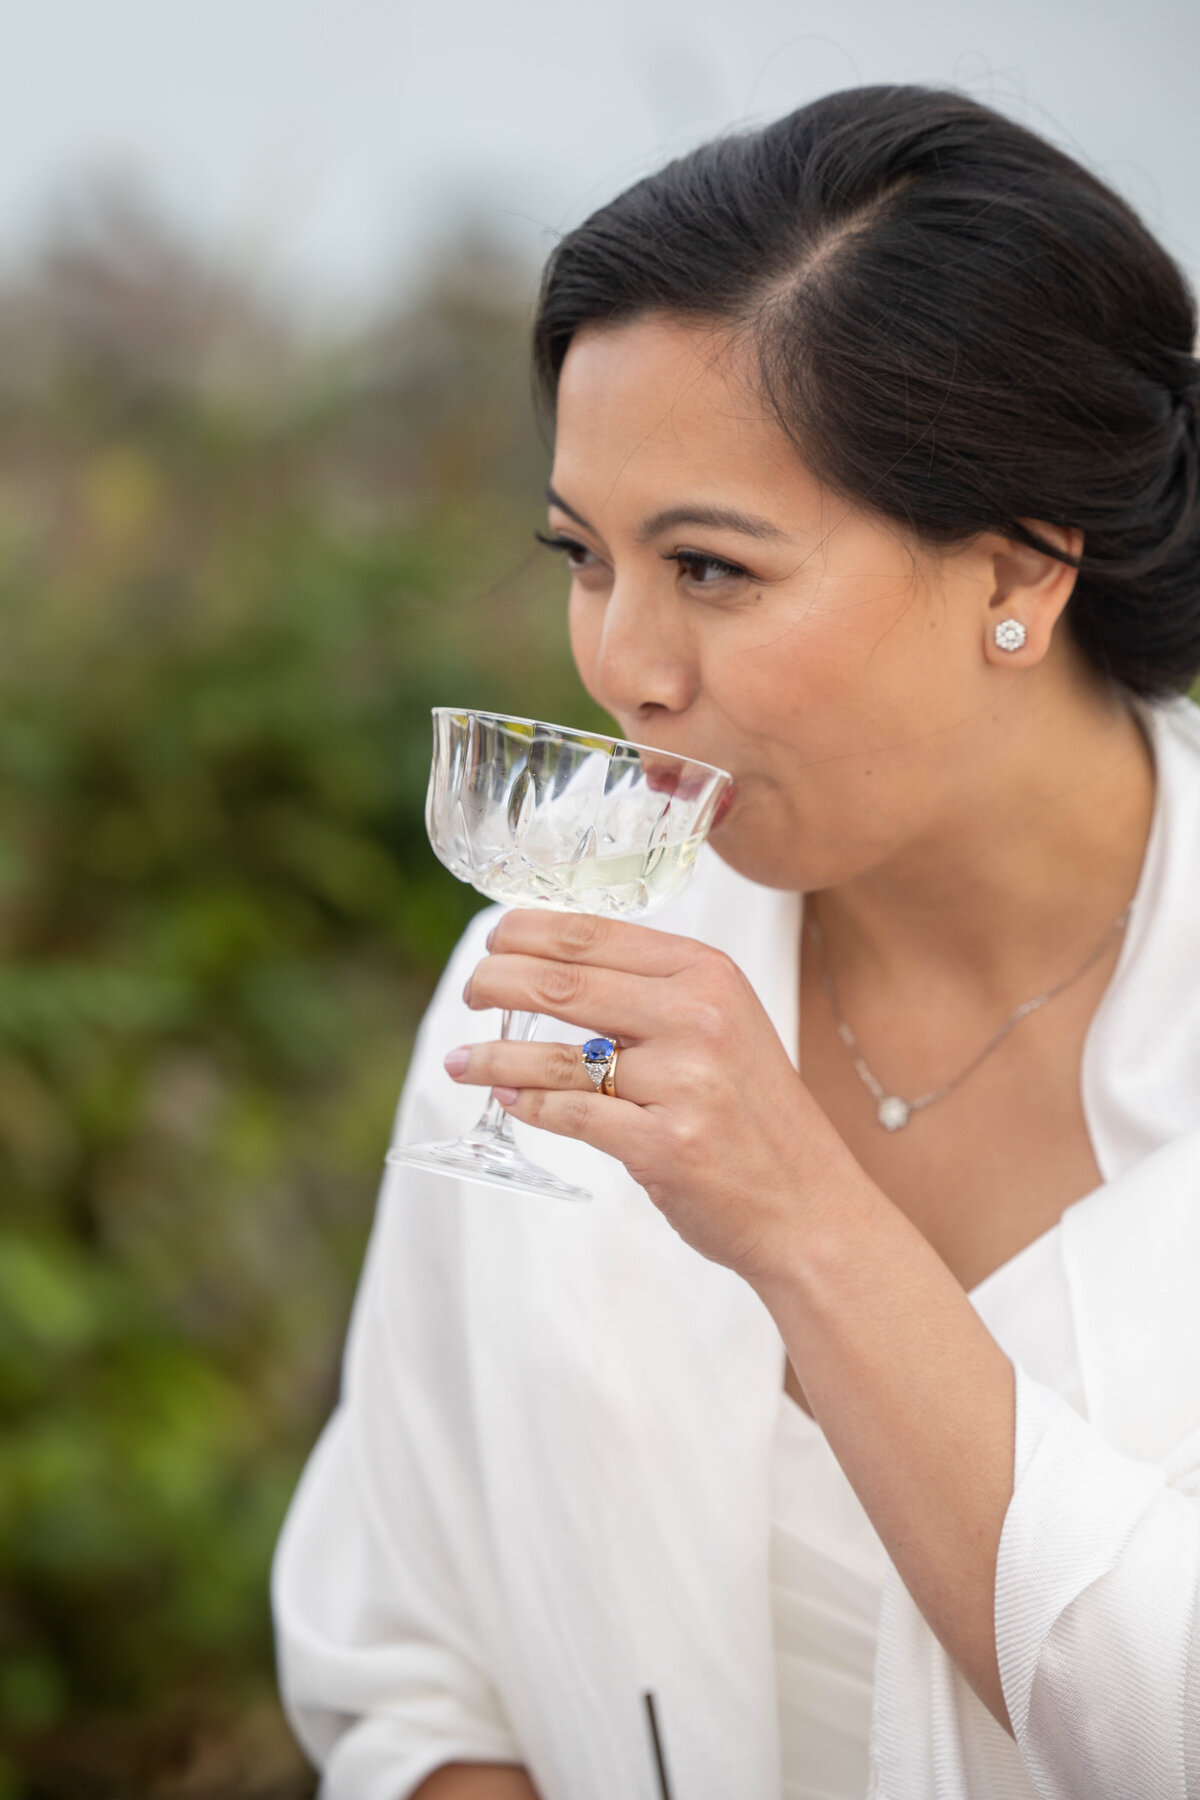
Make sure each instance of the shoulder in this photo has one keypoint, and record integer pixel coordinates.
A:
(1177, 722)
(1173, 727)
(1141, 1072)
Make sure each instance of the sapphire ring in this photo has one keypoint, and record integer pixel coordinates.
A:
(600, 1060)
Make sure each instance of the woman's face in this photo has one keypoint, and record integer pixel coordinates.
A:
(727, 606)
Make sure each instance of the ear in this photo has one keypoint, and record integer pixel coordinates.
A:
(1032, 588)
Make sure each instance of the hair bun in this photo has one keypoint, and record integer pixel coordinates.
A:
(1183, 379)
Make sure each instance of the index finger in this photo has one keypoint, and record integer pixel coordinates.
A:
(601, 943)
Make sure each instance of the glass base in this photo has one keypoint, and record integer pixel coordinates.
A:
(486, 1156)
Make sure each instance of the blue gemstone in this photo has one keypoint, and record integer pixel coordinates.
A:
(598, 1049)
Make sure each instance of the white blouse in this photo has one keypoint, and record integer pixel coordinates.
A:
(826, 1568)
(552, 1479)
(827, 1562)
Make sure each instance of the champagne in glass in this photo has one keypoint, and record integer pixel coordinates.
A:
(532, 814)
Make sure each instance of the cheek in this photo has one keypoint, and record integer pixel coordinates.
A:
(839, 680)
(783, 684)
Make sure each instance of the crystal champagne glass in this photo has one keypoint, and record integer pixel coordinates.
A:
(532, 814)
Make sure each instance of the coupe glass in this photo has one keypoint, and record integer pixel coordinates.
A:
(532, 814)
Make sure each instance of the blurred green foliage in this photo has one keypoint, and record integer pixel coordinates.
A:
(236, 570)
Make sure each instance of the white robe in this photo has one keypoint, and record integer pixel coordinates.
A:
(546, 1487)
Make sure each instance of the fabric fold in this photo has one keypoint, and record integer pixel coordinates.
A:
(1096, 1601)
(1076, 1503)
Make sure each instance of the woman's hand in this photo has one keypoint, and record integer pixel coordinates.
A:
(710, 1116)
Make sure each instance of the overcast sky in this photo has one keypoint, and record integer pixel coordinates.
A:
(327, 143)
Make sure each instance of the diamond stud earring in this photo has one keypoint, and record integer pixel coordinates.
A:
(1010, 634)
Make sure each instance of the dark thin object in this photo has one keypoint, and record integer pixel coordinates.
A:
(664, 1786)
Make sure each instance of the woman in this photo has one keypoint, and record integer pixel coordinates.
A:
(859, 1419)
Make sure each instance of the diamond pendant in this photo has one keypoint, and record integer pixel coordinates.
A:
(893, 1112)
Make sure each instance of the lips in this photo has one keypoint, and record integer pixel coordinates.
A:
(723, 804)
(685, 782)
(669, 778)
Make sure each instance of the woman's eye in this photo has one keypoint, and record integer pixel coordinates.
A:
(576, 554)
(700, 568)
(704, 570)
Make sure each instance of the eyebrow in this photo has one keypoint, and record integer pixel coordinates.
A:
(718, 518)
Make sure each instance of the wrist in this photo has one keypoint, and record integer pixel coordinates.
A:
(818, 1237)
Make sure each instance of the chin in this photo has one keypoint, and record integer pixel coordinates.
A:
(760, 855)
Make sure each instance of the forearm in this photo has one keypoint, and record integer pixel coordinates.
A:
(916, 1400)
(477, 1781)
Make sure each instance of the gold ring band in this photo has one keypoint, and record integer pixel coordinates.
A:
(608, 1085)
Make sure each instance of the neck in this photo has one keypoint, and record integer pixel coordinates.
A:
(1019, 881)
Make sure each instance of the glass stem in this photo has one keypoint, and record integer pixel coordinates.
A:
(515, 1028)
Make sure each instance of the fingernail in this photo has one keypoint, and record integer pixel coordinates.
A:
(506, 1096)
(467, 991)
(455, 1061)
(487, 942)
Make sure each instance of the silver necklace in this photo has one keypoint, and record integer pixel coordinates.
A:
(894, 1112)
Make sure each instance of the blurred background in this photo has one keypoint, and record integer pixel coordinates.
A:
(268, 474)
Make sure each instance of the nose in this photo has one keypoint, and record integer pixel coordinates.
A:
(644, 659)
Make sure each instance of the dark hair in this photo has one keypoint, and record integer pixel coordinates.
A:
(958, 326)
